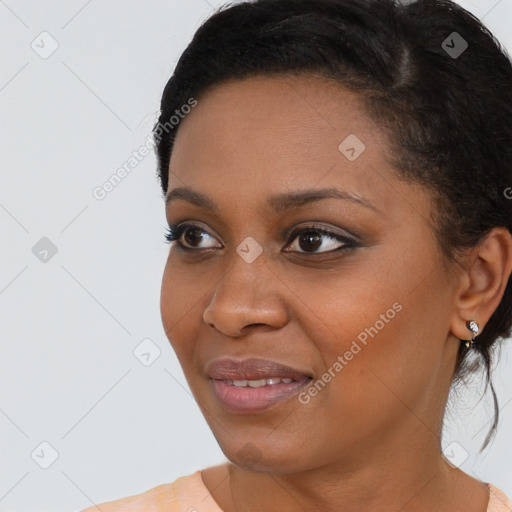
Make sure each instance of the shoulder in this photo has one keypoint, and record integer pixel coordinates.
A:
(163, 498)
(498, 500)
(187, 493)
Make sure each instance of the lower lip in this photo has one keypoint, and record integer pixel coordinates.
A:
(250, 400)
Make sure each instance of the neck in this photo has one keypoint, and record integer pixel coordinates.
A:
(405, 475)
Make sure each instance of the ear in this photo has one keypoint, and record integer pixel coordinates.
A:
(482, 284)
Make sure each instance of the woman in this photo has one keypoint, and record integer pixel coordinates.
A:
(336, 176)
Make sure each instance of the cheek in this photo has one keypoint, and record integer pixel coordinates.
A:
(180, 304)
(380, 343)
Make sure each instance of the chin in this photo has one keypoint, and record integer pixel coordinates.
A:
(264, 457)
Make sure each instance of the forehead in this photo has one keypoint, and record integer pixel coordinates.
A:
(260, 135)
(291, 113)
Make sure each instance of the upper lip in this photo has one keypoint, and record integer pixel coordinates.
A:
(251, 369)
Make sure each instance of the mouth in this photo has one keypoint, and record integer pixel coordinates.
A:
(258, 383)
(252, 369)
(254, 385)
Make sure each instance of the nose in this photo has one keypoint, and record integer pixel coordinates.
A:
(248, 295)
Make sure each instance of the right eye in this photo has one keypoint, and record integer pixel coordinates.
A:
(193, 235)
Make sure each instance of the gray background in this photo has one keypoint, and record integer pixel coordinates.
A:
(70, 321)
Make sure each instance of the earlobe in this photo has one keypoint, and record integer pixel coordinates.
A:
(475, 329)
(483, 283)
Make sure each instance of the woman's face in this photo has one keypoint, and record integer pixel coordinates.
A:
(367, 316)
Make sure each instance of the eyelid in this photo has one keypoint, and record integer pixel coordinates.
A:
(177, 230)
(345, 237)
(327, 230)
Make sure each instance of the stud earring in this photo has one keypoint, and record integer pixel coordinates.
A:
(473, 327)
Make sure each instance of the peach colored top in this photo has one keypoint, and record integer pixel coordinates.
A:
(189, 494)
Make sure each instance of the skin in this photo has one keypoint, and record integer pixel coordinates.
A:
(371, 438)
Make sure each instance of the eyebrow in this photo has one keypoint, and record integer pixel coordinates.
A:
(278, 203)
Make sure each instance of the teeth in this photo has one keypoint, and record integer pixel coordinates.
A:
(259, 383)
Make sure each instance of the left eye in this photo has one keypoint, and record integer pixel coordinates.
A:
(311, 239)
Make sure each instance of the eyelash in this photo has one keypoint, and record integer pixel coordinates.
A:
(174, 233)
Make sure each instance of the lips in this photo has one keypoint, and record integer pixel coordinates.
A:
(247, 386)
(252, 369)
